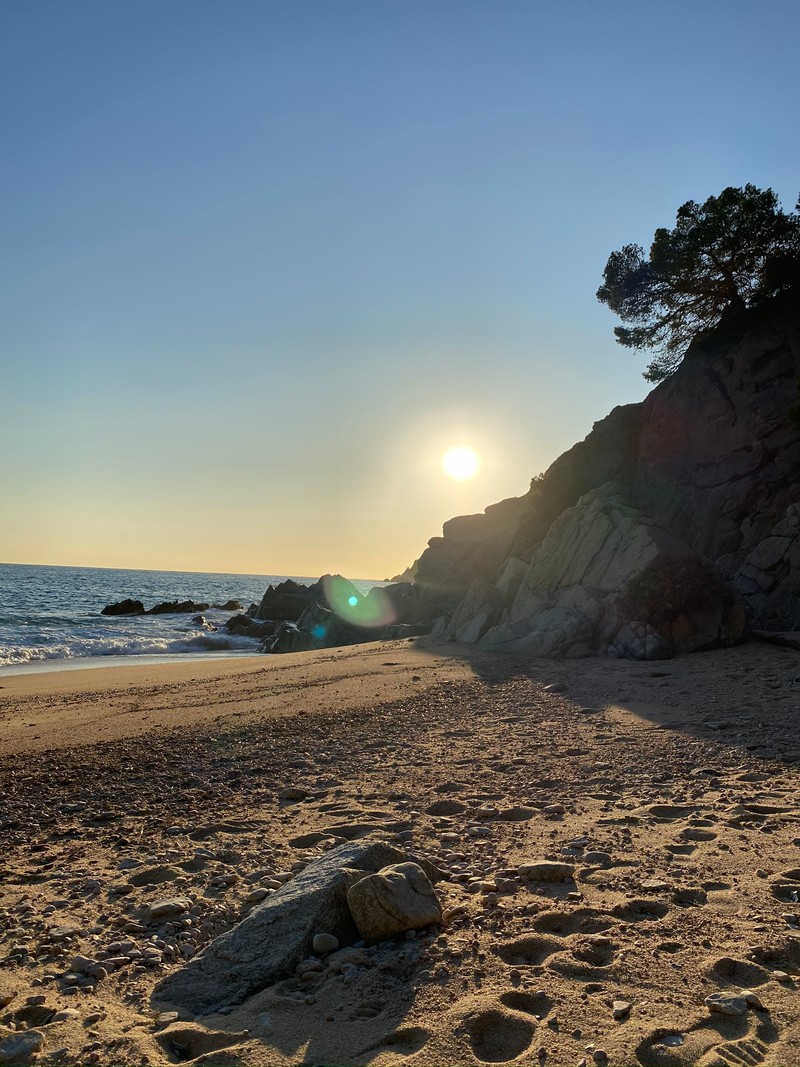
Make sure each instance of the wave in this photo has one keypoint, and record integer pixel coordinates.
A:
(15, 655)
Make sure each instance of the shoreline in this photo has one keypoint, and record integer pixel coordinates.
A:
(42, 710)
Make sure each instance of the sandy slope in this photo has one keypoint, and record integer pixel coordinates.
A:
(684, 773)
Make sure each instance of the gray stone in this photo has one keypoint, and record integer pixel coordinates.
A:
(546, 871)
(168, 908)
(398, 898)
(324, 943)
(276, 935)
(18, 1048)
(726, 1005)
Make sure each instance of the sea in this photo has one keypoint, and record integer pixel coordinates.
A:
(50, 617)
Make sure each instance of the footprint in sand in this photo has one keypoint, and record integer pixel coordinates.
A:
(538, 1004)
(587, 957)
(184, 1043)
(406, 1041)
(730, 971)
(497, 1036)
(692, 833)
(669, 812)
(721, 1041)
(636, 911)
(563, 923)
(528, 951)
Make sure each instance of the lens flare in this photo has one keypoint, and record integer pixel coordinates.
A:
(461, 463)
(373, 610)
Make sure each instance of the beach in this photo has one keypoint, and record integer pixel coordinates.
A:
(668, 793)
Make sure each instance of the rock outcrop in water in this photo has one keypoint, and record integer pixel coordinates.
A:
(672, 527)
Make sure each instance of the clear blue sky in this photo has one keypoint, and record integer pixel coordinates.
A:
(262, 262)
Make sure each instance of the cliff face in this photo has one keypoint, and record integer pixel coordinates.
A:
(703, 475)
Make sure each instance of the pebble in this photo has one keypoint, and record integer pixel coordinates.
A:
(257, 895)
(325, 943)
(65, 1014)
(753, 999)
(167, 1017)
(621, 1008)
(546, 871)
(726, 1005)
(168, 907)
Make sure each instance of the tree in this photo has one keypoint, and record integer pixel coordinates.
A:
(730, 252)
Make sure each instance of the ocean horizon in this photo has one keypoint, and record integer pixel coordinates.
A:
(50, 616)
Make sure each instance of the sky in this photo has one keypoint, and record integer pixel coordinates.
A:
(263, 261)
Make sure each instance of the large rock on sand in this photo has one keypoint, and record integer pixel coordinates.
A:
(271, 941)
(394, 900)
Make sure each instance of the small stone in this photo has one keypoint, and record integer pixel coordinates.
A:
(167, 1017)
(546, 871)
(324, 943)
(293, 792)
(81, 965)
(726, 1005)
(598, 859)
(781, 976)
(257, 895)
(753, 999)
(600, 1057)
(65, 1014)
(621, 1008)
(168, 907)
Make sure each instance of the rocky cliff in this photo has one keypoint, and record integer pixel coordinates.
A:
(673, 526)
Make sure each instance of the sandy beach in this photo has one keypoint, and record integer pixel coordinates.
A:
(671, 788)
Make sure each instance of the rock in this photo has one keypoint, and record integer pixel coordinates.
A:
(18, 1048)
(598, 859)
(621, 1008)
(726, 1005)
(639, 640)
(124, 607)
(395, 899)
(546, 871)
(177, 607)
(323, 944)
(167, 1017)
(269, 943)
(65, 1015)
(753, 999)
(288, 600)
(229, 605)
(244, 626)
(293, 792)
(705, 474)
(167, 908)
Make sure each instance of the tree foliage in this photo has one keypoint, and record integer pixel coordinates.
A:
(728, 253)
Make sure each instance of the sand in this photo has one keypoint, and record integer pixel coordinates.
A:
(683, 774)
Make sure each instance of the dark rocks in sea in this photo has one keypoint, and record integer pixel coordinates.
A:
(177, 607)
(124, 607)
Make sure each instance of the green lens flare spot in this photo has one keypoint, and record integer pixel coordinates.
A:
(352, 601)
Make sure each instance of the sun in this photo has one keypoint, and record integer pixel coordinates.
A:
(461, 463)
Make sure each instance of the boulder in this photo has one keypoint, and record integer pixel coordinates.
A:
(243, 626)
(229, 605)
(396, 899)
(177, 607)
(288, 600)
(269, 943)
(124, 607)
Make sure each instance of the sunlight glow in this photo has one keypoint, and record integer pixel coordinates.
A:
(460, 463)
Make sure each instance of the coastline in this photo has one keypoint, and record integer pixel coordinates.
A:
(672, 788)
(45, 709)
